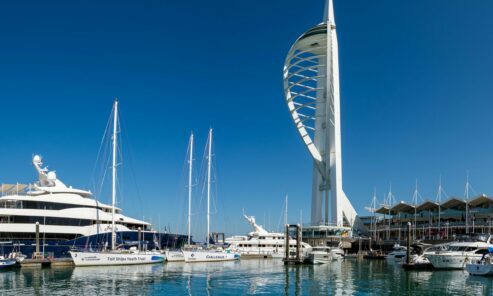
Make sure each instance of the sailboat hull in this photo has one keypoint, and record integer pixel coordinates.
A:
(174, 256)
(114, 258)
(209, 256)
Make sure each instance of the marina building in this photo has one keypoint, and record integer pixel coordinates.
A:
(431, 220)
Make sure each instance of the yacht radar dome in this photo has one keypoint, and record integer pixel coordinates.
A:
(51, 176)
(37, 159)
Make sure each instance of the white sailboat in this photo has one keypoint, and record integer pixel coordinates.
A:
(177, 255)
(209, 254)
(115, 257)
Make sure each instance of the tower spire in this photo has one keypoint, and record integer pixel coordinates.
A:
(329, 13)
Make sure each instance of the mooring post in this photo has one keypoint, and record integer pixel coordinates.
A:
(408, 260)
(298, 242)
(139, 238)
(37, 238)
(286, 242)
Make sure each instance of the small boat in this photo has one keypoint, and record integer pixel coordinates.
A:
(484, 266)
(417, 266)
(6, 263)
(337, 253)
(17, 256)
(319, 255)
(397, 254)
(374, 255)
(418, 260)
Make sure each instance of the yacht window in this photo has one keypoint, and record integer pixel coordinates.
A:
(11, 204)
(50, 220)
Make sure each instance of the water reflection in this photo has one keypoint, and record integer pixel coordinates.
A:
(350, 277)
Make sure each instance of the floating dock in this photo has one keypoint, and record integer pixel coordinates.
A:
(39, 263)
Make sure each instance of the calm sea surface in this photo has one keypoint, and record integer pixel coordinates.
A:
(270, 277)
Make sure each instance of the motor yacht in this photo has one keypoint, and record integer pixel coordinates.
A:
(458, 254)
(319, 255)
(67, 217)
(397, 254)
(324, 254)
(484, 266)
(261, 243)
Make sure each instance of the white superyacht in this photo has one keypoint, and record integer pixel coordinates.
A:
(67, 216)
(262, 244)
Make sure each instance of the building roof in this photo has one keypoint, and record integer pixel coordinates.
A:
(385, 209)
(403, 207)
(454, 203)
(427, 206)
(480, 200)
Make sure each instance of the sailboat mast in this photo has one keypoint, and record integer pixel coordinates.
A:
(190, 186)
(113, 189)
(467, 203)
(209, 185)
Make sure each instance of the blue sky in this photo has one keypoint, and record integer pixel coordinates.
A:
(415, 89)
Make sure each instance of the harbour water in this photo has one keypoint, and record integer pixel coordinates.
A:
(267, 277)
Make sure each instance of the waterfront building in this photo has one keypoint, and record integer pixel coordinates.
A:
(432, 220)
